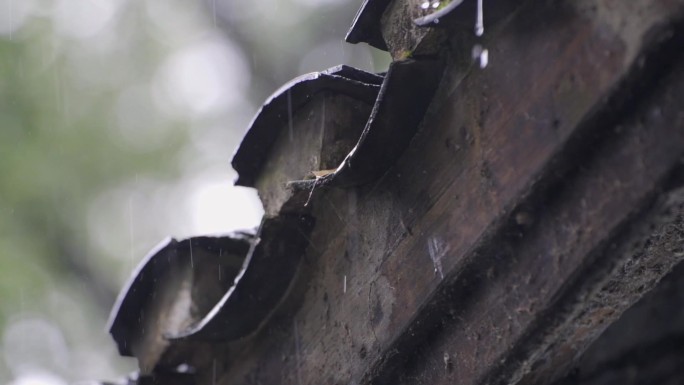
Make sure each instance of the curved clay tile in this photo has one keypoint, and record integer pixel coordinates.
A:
(175, 285)
(276, 112)
(263, 281)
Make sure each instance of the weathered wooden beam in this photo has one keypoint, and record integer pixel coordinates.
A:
(540, 198)
(646, 344)
(490, 238)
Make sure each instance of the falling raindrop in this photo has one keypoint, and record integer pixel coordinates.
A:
(484, 58)
(58, 89)
(437, 250)
(130, 228)
(308, 200)
(477, 50)
(21, 301)
(344, 285)
(192, 264)
(481, 54)
(11, 33)
(214, 9)
(322, 121)
(479, 24)
(289, 114)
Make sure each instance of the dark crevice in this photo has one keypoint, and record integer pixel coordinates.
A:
(641, 357)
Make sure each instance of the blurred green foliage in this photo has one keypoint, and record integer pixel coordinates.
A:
(109, 114)
(58, 152)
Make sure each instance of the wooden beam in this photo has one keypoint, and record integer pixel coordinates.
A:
(474, 258)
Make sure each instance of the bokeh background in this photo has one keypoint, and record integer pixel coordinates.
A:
(118, 119)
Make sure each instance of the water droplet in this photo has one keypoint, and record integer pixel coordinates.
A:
(437, 250)
(289, 113)
(481, 54)
(192, 262)
(435, 5)
(479, 24)
(184, 368)
(477, 50)
(436, 21)
(425, 5)
(484, 58)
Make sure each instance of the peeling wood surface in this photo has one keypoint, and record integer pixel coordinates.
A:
(488, 247)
